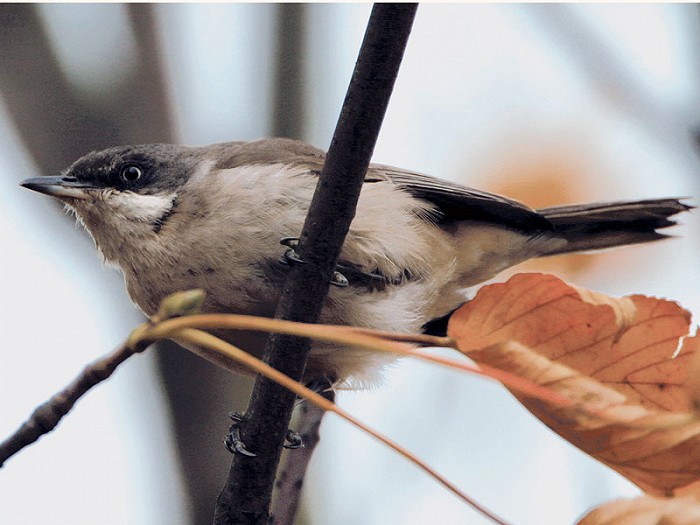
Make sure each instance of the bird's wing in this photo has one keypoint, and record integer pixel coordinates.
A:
(452, 202)
(457, 203)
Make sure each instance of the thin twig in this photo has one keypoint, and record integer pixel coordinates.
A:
(366, 338)
(226, 350)
(247, 492)
(47, 415)
(164, 325)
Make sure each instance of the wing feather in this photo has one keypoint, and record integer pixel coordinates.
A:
(452, 202)
(457, 203)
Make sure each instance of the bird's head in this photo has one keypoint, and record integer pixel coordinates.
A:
(123, 193)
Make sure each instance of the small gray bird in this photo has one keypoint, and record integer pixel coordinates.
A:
(174, 217)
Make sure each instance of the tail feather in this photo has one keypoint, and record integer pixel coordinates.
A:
(603, 225)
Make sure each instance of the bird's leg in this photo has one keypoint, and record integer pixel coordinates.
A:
(322, 385)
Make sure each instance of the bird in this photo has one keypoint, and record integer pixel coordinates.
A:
(223, 217)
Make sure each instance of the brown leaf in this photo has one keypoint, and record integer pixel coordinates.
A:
(615, 356)
(692, 385)
(645, 510)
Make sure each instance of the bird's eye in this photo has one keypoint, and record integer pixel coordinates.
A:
(131, 173)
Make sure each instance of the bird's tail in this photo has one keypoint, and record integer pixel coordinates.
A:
(603, 225)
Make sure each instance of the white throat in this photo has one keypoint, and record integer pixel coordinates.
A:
(115, 220)
(139, 208)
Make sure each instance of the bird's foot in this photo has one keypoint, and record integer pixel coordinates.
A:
(234, 444)
(233, 441)
(293, 440)
(291, 257)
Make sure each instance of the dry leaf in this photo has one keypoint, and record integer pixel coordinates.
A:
(645, 510)
(692, 385)
(613, 355)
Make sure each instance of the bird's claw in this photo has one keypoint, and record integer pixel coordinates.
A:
(293, 440)
(339, 280)
(233, 442)
(290, 242)
(291, 257)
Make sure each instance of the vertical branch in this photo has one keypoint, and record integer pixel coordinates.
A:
(54, 124)
(55, 121)
(151, 117)
(288, 104)
(246, 495)
(290, 480)
(614, 78)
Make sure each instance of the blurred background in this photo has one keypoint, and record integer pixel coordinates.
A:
(549, 104)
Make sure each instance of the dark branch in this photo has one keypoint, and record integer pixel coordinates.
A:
(246, 496)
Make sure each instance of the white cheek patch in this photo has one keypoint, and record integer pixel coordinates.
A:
(141, 208)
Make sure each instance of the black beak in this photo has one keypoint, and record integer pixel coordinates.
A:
(59, 187)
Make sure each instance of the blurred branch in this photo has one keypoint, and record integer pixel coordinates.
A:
(246, 495)
(615, 80)
(58, 125)
(150, 118)
(288, 105)
(54, 121)
(291, 480)
(197, 392)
